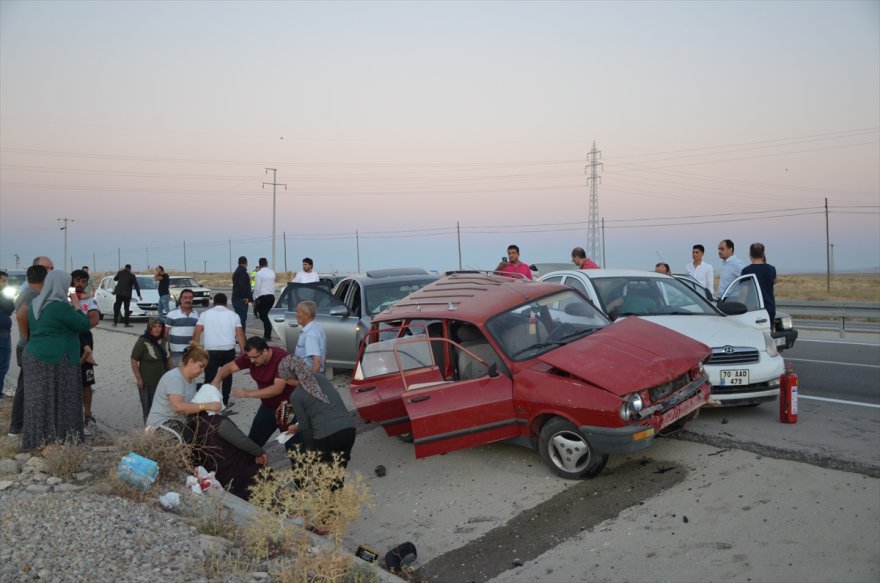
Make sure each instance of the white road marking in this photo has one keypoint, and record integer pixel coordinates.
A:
(874, 344)
(833, 362)
(840, 401)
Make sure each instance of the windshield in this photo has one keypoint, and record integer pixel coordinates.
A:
(541, 325)
(650, 296)
(382, 296)
(147, 282)
(184, 282)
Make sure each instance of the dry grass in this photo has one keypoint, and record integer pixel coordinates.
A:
(174, 458)
(844, 288)
(66, 459)
(310, 491)
(8, 445)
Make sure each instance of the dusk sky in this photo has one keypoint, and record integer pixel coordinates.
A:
(152, 123)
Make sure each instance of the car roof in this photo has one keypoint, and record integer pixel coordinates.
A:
(603, 273)
(473, 297)
(366, 281)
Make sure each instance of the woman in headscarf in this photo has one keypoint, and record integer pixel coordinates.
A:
(53, 410)
(221, 447)
(149, 361)
(321, 417)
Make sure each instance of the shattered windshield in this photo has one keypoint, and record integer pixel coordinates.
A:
(541, 325)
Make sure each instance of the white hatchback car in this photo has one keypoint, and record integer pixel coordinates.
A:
(745, 365)
(147, 307)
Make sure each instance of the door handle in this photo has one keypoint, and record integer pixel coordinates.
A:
(365, 389)
(419, 399)
(761, 321)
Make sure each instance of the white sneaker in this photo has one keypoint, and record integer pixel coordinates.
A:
(89, 427)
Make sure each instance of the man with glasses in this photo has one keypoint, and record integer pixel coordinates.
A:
(262, 362)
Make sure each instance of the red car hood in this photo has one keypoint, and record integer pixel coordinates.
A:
(628, 356)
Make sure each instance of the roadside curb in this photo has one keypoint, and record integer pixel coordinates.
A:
(243, 513)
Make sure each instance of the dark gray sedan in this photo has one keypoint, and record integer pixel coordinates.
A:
(345, 313)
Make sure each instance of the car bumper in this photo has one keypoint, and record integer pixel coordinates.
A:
(784, 338)
(632, 438)
(763, 382)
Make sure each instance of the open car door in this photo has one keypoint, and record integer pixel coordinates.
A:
(745, 289)
(446, 415)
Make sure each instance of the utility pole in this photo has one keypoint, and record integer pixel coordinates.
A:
(284, 238)
(94, 264)
(205, 265)
(17, 260)
(184, 256)
(357, 242)
(274, 184)
(64, 228)
(230, 255)
(458, 231)
(604, 263)
(592, 170)
(827, 248)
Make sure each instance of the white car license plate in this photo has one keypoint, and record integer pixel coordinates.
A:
(735, 377)
(150, 312)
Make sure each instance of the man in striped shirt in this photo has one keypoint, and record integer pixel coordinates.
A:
(180, 324)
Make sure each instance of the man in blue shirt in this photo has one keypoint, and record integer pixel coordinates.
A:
(312, 343)
(731, 267)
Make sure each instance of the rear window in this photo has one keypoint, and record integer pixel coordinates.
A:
(379, 357)
(380, 297)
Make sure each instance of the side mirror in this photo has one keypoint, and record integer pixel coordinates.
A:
(732, 308)
(340, 311)
(493, 369)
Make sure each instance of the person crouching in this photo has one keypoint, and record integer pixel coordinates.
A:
(219, 446)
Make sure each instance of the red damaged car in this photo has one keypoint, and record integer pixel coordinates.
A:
(473, 359)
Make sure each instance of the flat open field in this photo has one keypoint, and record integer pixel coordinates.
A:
(844, 288)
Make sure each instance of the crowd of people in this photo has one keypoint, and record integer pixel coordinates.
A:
(52, 403)
(732, 268)
(55, 314)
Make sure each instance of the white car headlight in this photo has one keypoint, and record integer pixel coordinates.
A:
(771, 344)
(630, 407)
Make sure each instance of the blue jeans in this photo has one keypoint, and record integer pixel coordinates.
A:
(164, 305)
(5, 355)
(241, 308)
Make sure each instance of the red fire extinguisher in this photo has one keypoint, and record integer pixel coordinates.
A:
(788, 395)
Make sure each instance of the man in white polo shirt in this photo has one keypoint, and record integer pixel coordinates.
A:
(180, 325)
(219, 330)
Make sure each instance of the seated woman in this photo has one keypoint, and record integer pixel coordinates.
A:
(221, 447)
(320, 414)
(177, 387)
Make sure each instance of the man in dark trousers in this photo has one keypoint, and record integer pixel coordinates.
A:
(241, 291)
(125, 281)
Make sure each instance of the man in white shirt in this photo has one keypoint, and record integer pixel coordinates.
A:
(219, 330)
(700, 270)
(306, 275)
(264, 295)
(731, 267)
